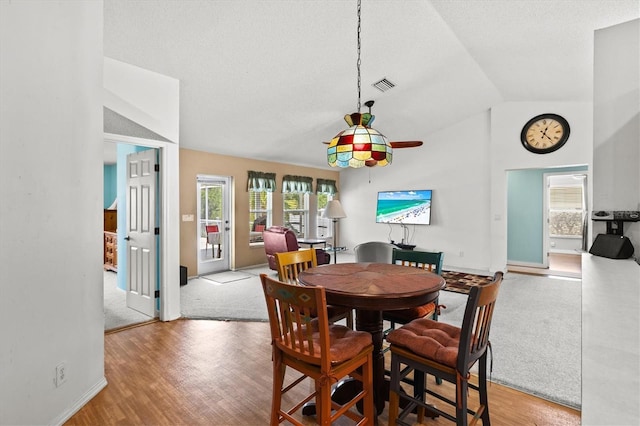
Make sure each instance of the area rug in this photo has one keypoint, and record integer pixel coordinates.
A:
(461, 282)
(226, 277)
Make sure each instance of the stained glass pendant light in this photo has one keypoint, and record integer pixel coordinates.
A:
(359, 145)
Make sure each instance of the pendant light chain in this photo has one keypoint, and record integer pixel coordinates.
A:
(359, 47)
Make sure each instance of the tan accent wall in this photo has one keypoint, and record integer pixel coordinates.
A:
(194, 163)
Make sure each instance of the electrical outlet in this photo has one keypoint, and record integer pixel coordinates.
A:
(61, 374)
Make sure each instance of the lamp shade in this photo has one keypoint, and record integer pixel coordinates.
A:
(334, 210)
(359, 145)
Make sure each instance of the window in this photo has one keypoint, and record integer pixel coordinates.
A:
(260, 186)
(565, 211)
(326, 190)
(295, 203)
(323, 224)
(259, 214)
(296, 212)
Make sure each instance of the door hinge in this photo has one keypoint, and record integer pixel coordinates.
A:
(157, 167)
(157, 294)
(156, 231)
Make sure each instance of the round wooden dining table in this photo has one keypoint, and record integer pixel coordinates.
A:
(370, 289)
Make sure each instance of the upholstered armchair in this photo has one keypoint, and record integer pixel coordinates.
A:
(278, 239)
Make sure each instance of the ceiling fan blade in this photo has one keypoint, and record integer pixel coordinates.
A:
(399, 144)
(406, 144)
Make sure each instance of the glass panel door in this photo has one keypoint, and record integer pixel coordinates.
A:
(213, 224)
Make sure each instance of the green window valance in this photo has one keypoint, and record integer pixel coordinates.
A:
(326, 186)
(292, 183)
(260, 181)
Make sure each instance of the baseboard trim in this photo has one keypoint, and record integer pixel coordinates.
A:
(84, 399)
(525, 264)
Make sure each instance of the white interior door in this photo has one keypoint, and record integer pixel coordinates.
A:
(141, 237)
(214, 229)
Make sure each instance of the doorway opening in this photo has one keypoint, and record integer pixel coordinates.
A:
(168, 304)
(120, 248)
(214, 228)
(547, 220)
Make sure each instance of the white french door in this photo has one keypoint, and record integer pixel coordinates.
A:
(213, 225)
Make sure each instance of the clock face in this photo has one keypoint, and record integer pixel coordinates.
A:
(545, 133)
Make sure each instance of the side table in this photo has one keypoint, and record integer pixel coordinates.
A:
(335, 251)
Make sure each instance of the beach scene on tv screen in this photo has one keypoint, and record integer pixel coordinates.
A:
(409, 207)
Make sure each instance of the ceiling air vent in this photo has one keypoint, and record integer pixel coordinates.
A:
(383, 85)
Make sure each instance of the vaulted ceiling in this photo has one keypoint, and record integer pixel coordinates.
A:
(272, 79)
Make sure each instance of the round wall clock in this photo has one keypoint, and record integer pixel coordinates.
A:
(545, 133)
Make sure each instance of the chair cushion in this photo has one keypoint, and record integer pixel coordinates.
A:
(404, 316)
(344, 342)
(430, 339)
(347, 343)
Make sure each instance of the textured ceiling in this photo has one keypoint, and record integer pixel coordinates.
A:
(273, 79)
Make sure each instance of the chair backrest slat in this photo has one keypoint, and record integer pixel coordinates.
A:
(291, 263)
(476, 324)
(430, 261)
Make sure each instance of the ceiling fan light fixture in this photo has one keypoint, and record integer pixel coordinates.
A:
(359, 145)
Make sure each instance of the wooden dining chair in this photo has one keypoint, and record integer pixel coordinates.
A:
(426, 347)
(430, 261)
(291, 263)
(318, 350)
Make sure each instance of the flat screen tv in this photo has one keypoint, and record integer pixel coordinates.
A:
(404, 207)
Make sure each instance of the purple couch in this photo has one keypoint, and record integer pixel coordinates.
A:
(278, 239)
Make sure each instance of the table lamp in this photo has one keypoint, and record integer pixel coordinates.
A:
(334, 211)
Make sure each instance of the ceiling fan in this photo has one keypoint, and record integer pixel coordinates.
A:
(364, 120)
(397, 144)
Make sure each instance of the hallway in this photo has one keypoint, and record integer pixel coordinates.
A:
(560, 264)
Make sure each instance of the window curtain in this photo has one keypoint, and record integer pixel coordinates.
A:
(302, 184)
(326, 186)
(260, 181)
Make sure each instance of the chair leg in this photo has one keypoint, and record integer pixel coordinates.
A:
(278, 382)
(394, 390)
(394, 402)
(462, 389)
(419, 388)
(323, 403)
(350, 319)
(367, 383)
(482, 389)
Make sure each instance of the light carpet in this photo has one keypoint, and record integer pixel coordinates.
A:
(241, 300)
(226, 276)
(116, 313)
(535, 335)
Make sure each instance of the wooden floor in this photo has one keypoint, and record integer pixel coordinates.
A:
(559, 264)
(197, 372)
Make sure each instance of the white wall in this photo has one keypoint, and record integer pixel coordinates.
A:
(507, 153)
(454, 164)
(466, 166)
(51, 302)
(617, 124)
